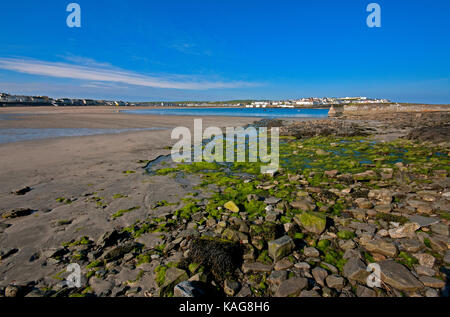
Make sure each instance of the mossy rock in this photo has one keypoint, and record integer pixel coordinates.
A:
(345, 234)
(314, 222)
(231, 206)
(172, 277)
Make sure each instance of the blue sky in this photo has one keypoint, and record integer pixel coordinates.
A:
(220, 50)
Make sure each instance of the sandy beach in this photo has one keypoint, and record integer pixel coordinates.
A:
(74, 167)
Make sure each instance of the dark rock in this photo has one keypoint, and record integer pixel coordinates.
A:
(16, 213)
(22, 191)
(256, 267)
(7, 253)
(119, 251)
(231, 287)
(291, 287)
(319, 275)
(398, 276)
(355, 269)
(362, 291)
(188, 289)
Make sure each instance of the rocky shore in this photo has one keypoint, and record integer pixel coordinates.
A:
(351, 192)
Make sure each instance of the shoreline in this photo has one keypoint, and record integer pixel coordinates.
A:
(86, 189)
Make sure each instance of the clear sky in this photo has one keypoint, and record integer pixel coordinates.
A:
(226, 49)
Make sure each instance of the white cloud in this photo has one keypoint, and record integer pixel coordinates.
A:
(99, 72)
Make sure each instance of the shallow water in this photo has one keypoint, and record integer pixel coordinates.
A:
(17, 135)
(236, 112)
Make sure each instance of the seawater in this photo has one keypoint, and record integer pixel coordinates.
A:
(236, 112)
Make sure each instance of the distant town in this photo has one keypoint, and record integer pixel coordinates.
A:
(7, 100)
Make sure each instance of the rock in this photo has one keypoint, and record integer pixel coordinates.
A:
(384, 208)
(398, 276)
(291, 287)
(7, 253)
(199, 277)
(319, 275)
(244, 292)
(439, 243)
(366, 176)
(439, 228)
(432, 282)
(311, 293)
(234, 235)
(347, 245)
(422, 207)
(311, 252)
(280, 248)
(411, 245)
(283, 264)
(119, 251)
(231, 287)
(425, 259)
(302, 266)
(22, 191)
(312, 221)
(335, 281)
(359, 214)
(447, 257)
(431, 293)
(355, 269)
(272, 200)
(329, 267)
(363, 203)
(422, 221)
(109, 239)
(16, 213)
(188, 289)
(367, 227)
(276, 277)
(406, 231)
(101, 287)
(380, 246)
(383, 196)
(362, 291)
(424, 270)
(173, 277)
(231, 206)
(256, 267)
(387, 173)
(13, 291)
(331, 174)
(303, 204)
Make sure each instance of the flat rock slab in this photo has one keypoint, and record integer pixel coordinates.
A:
(398, 276)
(432, 282)
(423, 221)
(256, 267)
(291, 287)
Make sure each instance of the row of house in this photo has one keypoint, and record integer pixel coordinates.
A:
(6, 99)
(308, 102)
